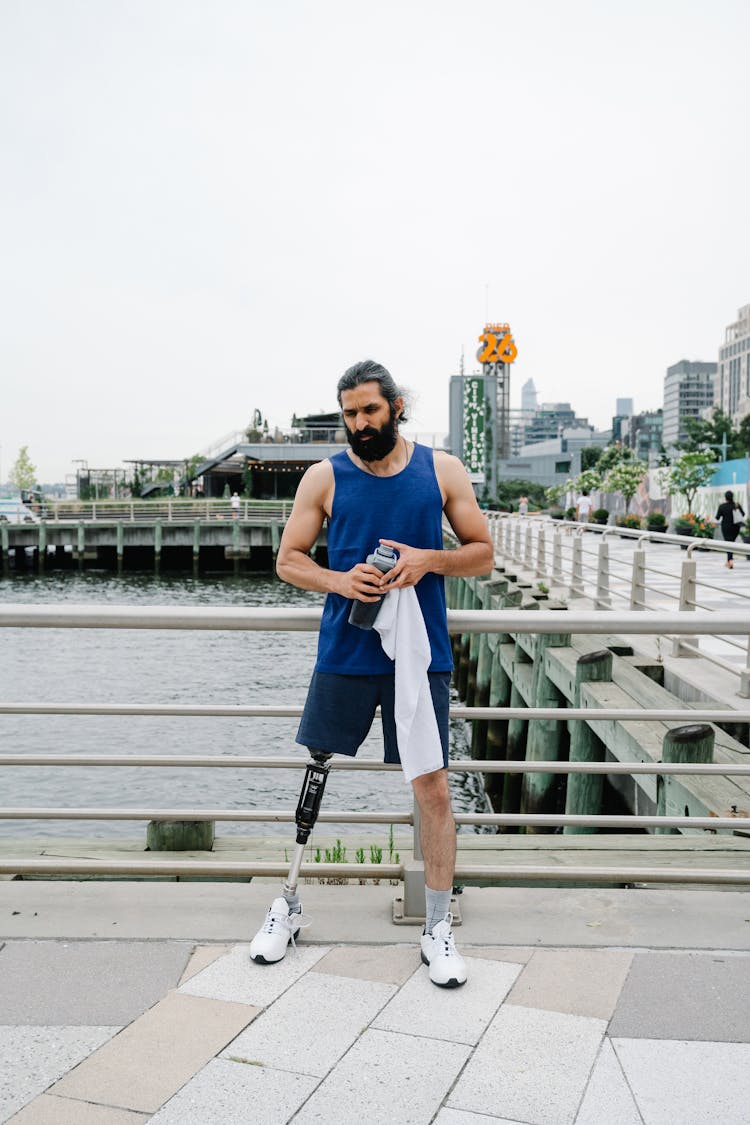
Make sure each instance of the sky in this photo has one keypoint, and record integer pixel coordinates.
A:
(212, 208)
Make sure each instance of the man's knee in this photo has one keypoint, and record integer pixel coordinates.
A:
(432, 792)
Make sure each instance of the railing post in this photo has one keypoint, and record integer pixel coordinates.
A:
(576, 590)
(541, 553)
(744, 692)
(414, 884)
(687, 605)
(517, 543)
(603, 598)
(528, 559)
(558, 577)
(638, 580)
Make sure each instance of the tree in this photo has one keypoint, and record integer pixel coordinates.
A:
(715, 433)
(687, 474)
(612, 456)
(625, 477)
(23, 473)
(590, 456)
(509, 490)
(590, 480)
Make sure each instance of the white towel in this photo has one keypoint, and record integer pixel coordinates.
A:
(403, 636)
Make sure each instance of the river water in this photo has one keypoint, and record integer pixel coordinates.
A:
(108, 666)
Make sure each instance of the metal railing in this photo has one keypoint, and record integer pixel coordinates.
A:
(201, 618)
(150, 511)
(576, 559)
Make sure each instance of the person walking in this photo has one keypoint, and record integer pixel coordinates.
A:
(732, 517)
(384, 490)
(583, 507)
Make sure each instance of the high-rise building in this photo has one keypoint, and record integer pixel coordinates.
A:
(732, 391)
(624, 408)
(643, 433)
(529, 398)
(688, 391)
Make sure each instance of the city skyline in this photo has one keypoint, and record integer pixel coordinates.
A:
(208, 210)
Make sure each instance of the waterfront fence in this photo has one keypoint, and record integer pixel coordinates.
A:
(471, 622)
(575, 561)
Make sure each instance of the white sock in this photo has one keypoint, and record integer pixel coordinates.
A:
(438, 903)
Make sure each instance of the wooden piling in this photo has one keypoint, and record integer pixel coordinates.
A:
(544, 736)
(462, 664)
(500, 693)
(584, 790)
(180, 835)
(517, 732)
(693, 743)
(486, 591)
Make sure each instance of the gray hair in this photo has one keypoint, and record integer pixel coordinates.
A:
(368, 371)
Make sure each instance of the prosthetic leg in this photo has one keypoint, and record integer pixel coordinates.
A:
(308, 807)
(284, 919)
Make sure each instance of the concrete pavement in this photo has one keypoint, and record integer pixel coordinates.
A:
(123, 1003)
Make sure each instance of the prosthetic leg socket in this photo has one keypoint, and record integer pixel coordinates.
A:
(308, 807)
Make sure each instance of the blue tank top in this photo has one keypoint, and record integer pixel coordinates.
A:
(407, 507)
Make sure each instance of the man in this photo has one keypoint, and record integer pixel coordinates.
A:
(583, 507)
(383, 489)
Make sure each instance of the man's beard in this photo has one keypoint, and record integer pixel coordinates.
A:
(380, 442)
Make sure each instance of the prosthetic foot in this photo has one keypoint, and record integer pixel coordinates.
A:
(284, 919)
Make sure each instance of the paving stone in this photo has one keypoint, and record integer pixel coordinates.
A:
(50, 982)
(200, 958)
(687, 1083)
(582, 982)
(235, 977)
(459, 1015)
(608, 1097)
(532, 1065)
(389, 1078)
(157, 1054)
(702, 996)
(34, 1057)
(311, 1026)
(48, 1110)
(235, 1094)
(392, 964)
(512, 953)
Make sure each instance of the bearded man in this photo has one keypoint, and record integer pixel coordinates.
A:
(388, 490)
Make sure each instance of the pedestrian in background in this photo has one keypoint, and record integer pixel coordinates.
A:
(732, 517)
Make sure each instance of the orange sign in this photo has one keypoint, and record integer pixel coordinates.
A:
(499, 346)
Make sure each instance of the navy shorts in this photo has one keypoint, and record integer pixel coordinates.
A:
(339, 711)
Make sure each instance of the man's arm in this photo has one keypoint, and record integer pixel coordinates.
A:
(293, 563)
(475, 555)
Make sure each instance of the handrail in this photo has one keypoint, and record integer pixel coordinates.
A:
(590, 622)
(294, 710)
(459, 765)
(678, 623)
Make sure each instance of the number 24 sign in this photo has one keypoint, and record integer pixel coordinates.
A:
(497, 350)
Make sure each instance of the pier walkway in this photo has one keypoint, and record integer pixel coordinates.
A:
(125, 1003)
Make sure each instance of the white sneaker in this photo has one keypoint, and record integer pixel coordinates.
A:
(280, 927)
(447, 966)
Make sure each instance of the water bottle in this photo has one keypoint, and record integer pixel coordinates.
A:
(363, 614)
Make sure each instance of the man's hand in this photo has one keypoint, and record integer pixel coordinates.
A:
(361, 583)
(413, 563)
